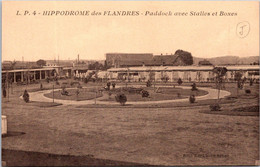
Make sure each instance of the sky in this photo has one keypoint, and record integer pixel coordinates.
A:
(37, 37)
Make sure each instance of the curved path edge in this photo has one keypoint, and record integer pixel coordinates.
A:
(212, 94)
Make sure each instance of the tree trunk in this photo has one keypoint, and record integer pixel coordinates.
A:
(218, 94)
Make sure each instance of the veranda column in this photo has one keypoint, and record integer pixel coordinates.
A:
(40, 75)
(45, 74)
(34, 75)
(14, 77)
(22, 76)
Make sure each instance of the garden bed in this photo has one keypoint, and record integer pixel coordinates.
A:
(157, 94)
(84, 94)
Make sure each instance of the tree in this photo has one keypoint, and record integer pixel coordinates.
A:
(220, 72)
(165, 78)
(105, 65)
(13, 65)
(238, 78)
(41, 63)
(96, 66)
(185, 56)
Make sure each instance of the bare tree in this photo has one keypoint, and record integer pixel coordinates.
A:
(220, 72)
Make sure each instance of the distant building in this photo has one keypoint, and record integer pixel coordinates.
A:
(205, 63)
(186, 73)
(14, 65)
(117, 60)
(127, 59)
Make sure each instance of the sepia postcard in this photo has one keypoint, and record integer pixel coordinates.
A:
(130, 83)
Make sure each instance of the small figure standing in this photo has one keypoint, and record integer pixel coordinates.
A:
(4, 92)
(192, 99)
(194, 87)
(48, 80)
(108, 85)
(114, 85)
(251, 81)
(26, 96)
(41, 87)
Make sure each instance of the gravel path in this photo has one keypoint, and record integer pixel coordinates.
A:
(212, 94)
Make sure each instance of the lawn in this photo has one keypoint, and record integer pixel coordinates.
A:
(84, 94)
(173, 135)
(157, 94)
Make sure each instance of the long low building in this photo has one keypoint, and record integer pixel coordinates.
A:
(186, 73)
(22, 75)
(135, 74)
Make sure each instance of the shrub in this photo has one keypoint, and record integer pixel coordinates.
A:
(26, 96)
(109, 94)
(108, 85)
(194, 87)
(74, 83)
(121, 98)
(248, 91)
(179, 81)
(214, 107)
(148, 83)
(133, 90)
(85, 80)
(145, 93)
(192, 99)
(114, 85)
(77, 92)
(64, 92)
(165, 79)
(178, 95)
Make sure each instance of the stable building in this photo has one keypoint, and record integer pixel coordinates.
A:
(186, 73)
(23, 75)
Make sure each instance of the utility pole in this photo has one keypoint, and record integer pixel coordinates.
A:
(53, 92)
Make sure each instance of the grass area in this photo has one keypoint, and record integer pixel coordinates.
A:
(241, 111)
(247, 109)
(29, 158)
(84, 94)
(178, 135)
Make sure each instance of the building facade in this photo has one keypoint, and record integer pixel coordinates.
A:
(186, 73)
